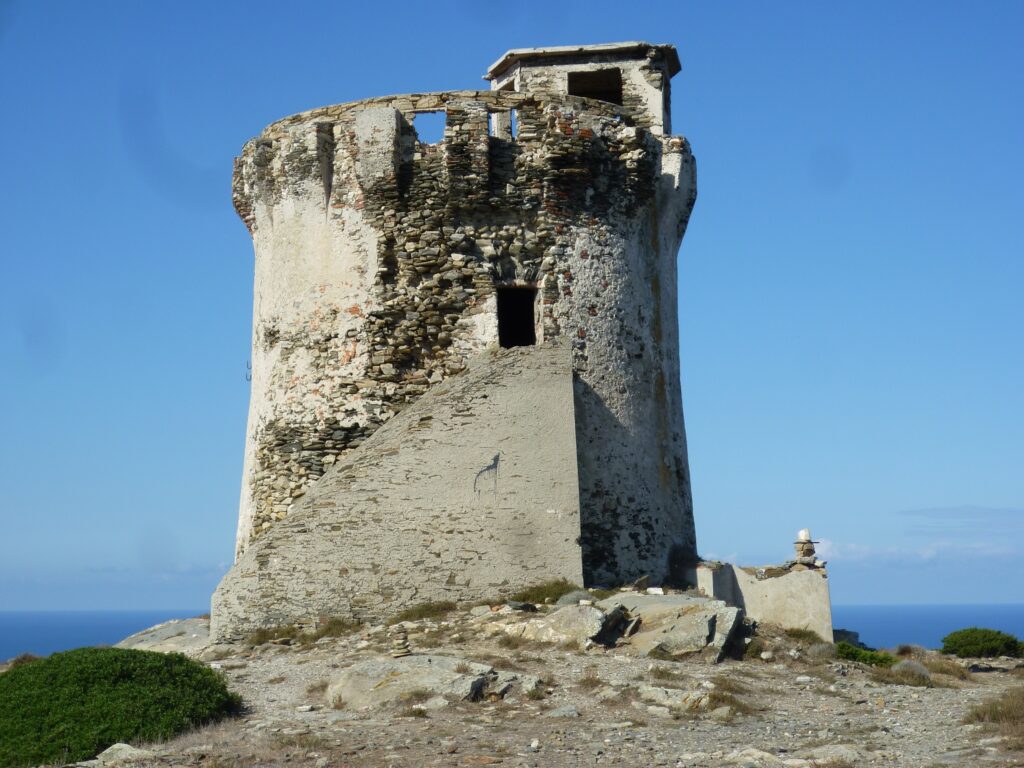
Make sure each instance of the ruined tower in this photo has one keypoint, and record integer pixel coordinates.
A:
(549, 215)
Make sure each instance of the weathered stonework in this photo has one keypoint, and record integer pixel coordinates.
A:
(379, 259)
(457, 498)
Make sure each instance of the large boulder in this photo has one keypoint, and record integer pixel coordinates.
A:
(188, 636)
(571, 624)
(676, 625)
(422, 680)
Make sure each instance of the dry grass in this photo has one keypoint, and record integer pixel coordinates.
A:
(333, 627)
(946, 667)
(413, 712)
(804, 636)
(549, 590)
(276, 680)
(280, 632)
(328, 627)
(1005, 714)
(416, 696)
(433, 638)
(718, 698)
(536, 694)
(666, 674)
(590, 681)
(512, 641)
(304, 741)
(424, 611)
(523, 658)
(463, 668)
(317, 689)
(891, 676)
(660, 654)
(728, 685)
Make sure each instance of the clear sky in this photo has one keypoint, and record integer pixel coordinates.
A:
(850, 285)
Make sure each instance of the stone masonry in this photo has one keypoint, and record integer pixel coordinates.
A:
(456, 498)
(382, 260)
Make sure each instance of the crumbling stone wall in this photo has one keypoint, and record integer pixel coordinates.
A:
(378, 258)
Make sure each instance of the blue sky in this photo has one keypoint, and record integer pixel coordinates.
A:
(850, 284)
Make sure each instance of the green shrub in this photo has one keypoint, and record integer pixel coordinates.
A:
(871, 658)
(984, 643)
(73, 705)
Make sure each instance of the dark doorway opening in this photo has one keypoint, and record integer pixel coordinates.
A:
(603, 84)
(515, 317)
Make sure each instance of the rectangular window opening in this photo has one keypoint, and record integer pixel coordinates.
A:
(516, 325)
(603, 84)
(429, 126)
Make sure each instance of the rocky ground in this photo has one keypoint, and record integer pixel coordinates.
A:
(499, 686)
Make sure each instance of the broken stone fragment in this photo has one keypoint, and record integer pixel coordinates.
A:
(677, 625)
(517, 605)
(675, 699)
(573, 623)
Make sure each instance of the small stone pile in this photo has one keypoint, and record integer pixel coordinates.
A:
(400, 643)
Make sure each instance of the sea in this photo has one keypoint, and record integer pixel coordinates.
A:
(45, 632)
(886, 626)
(880, 626)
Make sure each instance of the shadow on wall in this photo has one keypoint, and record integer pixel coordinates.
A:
(731, 592)
(621, 538)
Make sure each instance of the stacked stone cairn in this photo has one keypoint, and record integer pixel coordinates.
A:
(400, 643)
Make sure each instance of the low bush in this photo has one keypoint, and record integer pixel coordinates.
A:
(871, 658)
(975, 642)
(910, 651)
(906, 672)
(946, 667)
(71, 706)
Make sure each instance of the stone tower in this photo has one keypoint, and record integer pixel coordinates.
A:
(550, 213)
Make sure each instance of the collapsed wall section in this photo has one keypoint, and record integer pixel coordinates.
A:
(469, 494)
